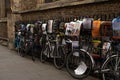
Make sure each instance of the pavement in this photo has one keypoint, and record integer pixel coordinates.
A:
(15, 67)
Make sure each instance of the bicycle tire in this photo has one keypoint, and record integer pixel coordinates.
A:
(71, 67)
(108, 68)
(32, 54)
(59, 58)
(43, 57)
(21, 49)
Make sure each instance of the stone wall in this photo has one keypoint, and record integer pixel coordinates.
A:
(3, 22)
(12, 18)
(15, 5)
(28, 4)
(19, 6)
(104, 10)
(2, 9)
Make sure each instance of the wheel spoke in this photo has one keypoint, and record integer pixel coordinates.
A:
(116, 63)
(59, 57)
(111, 69)
(112, 64)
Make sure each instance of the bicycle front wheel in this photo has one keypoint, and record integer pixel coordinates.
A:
(79, 64)
(59, 58)
(111, 68)
(21, 49)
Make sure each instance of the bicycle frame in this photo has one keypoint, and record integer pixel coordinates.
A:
(51, 47)
(92, 58)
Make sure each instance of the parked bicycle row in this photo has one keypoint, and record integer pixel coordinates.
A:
(84, 46)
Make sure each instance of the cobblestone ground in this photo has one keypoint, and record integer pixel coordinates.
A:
(15, 67)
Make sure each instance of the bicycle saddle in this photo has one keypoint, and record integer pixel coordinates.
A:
(68, 41)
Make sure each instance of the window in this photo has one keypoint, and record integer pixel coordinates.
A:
(48, 1)
(7, 6)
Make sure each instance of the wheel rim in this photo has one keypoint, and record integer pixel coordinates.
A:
(59, 58)
(82, 67)
(44, 54)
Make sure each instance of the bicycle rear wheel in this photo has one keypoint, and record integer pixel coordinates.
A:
(44, 53)
(111, 68)
(79, 64)
(21, 52)
(59, 58)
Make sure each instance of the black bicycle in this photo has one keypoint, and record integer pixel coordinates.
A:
(112, 65)
(80, 63)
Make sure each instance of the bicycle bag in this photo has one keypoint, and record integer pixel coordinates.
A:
(56, 24)
(117, 47)
(70, 28)
(116, 28)
(73, 28)
(50, 26)
(106, 30)
(87, 26)
(96, 29)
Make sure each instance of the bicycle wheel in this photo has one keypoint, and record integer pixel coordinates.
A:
(44, 53)
(79, 64)
(111, 68)
(32, 52)
(59, 58)
(21, 49)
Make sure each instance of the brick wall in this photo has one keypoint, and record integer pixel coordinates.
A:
(105, 10)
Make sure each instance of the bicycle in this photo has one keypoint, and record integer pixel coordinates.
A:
(86, 63)
(63, 50)
(26, 45)
(60, 55)
(112, 65)
(52, 49)
(75, 58)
